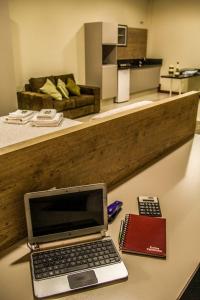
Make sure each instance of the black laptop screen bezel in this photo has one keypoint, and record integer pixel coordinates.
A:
(65, 234)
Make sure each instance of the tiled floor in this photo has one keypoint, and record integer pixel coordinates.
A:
(151, 95)
(108, 104)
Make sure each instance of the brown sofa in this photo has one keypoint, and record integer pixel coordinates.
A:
(76, 106)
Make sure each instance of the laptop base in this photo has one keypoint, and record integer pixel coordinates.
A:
(60, 284)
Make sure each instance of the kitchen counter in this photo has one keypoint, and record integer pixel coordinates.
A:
(183, 75)
(138, 63)
(137, 75)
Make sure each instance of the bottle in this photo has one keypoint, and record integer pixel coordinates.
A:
(171, 70)
(177, 71)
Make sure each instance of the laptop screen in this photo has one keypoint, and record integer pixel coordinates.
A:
(65, 213)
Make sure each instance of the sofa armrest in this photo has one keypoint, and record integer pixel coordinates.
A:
(34, 101)
(92, 90)
(89, 90)
(27, 87)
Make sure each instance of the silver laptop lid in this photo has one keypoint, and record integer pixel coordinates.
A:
(65, 213)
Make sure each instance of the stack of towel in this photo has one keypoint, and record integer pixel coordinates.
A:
(19, 117)
(47, 118)
(44, 118)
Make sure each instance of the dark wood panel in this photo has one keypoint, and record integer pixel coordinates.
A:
(136, 44)
(106, 150)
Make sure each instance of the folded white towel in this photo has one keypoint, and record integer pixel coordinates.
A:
(17, 120)
(190, 72)
(46, 114)
(19, 113)
(47, 122)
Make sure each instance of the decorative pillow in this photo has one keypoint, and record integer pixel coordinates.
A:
(50, 89)
(62, 88)
(72, 87)
(37, 83)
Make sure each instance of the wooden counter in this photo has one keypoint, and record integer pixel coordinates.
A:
(175, 180)
(105, 150)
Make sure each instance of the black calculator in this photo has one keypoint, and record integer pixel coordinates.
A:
(149, 206)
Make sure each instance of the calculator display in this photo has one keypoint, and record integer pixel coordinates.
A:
(148, 200)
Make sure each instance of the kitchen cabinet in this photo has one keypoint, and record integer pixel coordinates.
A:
(109, 33)
(109, 81)
(122, 35)
(144, 78)
(101, 57)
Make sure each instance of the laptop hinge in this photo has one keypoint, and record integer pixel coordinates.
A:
(103, 233)
(61, 243)
(34, 246)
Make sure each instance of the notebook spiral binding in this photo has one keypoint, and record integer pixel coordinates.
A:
(126, 221)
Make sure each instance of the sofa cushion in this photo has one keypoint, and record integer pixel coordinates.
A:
(64, 77)
(73, 88)
(50, 89)
(83, 100)
(62, 88)
(63, 105)
(37, 83)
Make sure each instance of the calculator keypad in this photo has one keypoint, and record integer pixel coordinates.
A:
(149, 209)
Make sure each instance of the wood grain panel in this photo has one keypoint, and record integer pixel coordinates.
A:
(105, 150)
(136, 44)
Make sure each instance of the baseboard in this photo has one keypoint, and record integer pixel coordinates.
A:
(164, 91)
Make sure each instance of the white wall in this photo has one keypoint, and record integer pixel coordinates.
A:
(8, 100)
(48, 35)
(174, 34)
(48, 38)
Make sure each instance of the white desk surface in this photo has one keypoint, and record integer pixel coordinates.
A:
(11, 134)
(176, 180)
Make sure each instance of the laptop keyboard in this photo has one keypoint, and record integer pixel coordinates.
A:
(68, 259)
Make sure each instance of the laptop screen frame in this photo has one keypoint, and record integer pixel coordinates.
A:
(66, 234)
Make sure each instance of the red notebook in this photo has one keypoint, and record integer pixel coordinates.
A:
(144, 235)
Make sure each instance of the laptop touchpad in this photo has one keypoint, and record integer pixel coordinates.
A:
(82, 279)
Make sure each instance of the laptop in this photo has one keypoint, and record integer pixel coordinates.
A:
(70, 213)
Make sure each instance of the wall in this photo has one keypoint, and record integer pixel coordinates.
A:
(8, 101)
(48, 35)
(174, 35)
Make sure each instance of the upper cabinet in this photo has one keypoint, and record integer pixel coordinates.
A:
(109, 33)
(122, 35)
(136, 43)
